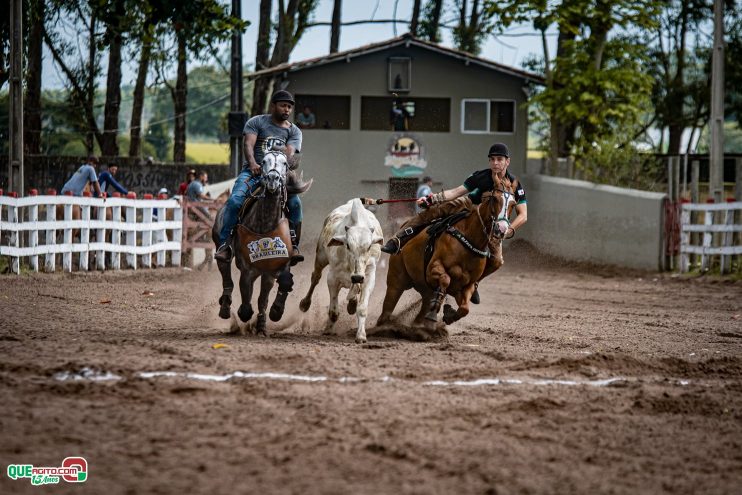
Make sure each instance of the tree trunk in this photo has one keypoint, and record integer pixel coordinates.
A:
(335, 30)
(32, 104)
(415, 18)
(180, 95)
(135, 143)
(435, 21)
(262, 59)
(109, 146)
(90, 92)
(676, 134)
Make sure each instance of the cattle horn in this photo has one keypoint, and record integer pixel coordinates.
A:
(296, 184)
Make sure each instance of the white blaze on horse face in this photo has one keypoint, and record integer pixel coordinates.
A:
(275, 166)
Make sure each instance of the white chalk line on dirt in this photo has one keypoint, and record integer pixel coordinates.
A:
(92, 375)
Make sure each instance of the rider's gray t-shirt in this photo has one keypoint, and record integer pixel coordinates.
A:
(80, 179)
(270, 136)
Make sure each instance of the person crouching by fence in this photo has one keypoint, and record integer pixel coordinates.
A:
(82, 177)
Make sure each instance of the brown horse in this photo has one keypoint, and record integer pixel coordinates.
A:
(457, 263)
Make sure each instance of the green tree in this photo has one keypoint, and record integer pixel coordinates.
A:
(208, 102)
(596, 89)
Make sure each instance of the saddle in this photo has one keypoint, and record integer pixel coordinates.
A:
(434, 231)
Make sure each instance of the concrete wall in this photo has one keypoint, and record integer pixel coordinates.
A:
(582, 221)
(43, 172)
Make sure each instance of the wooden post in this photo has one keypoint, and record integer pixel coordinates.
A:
(738, 197)
(51, 238)
(33, 237)
(116, 237)
(84, 236)
(694, 198)
(147, 234)
(15, 237)
(684, 238)
(178, 234)
(695, 173)
(100, 238)
(131, 236)
(161, 235)
(67, 254)
(708, 220)
(726, 239)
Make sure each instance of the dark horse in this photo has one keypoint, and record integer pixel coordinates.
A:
(457, 263)
(261, 243)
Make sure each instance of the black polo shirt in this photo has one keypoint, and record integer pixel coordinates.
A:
(481, 181)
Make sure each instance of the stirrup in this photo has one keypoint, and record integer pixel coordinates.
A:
(224, 253)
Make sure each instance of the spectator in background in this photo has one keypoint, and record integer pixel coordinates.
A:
(190, 176)
(195, 191)
(106, 178)
(425, 188)
(163, 191)
(398, 117)
(82, 177)
(306, 119)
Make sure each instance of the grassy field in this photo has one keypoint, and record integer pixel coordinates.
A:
(208, 152)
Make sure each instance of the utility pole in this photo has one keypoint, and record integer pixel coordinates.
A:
(15, 172)
(716, 157)
(237, 102)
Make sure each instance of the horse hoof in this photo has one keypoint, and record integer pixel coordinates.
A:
(334, 316)
(245, 312)
(276, 312)
(304, 305)
(449, 314)
(352, 305)
(224, 312)
(360, 341)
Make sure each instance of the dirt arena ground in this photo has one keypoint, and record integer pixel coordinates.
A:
(609, 382)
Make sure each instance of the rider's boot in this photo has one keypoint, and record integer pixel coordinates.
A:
(295, 231)
(398, 240)
(224, 252)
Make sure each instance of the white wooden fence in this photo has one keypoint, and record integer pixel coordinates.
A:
(718, 235)
(92, 228)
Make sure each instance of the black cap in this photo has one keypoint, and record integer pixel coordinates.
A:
(282, 95)
(499, 149)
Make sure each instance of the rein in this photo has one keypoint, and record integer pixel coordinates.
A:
(459, 236)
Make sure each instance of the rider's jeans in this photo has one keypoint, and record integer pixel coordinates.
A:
(244, 185)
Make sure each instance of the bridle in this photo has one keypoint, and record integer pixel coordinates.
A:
(488, 233)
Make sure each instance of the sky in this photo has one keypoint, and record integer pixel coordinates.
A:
(517, 44)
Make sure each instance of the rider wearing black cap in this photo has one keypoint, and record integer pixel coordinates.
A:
(450, 201)
(263, 133)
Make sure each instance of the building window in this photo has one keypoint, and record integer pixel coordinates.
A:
(400, 74)
(487, 116)
(322, 112)
(384, 113)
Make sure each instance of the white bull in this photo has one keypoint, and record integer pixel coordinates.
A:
(350, 243)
